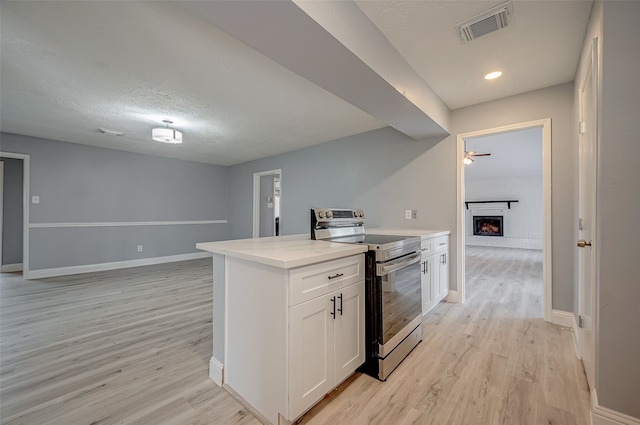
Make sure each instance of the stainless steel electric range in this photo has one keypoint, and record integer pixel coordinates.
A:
(393, 286)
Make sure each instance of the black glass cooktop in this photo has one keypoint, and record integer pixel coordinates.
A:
(373, 239)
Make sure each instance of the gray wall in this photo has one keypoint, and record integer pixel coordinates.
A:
(386, 172)
(618, 290)
(84, 184)
(12, 212)
(555, 103)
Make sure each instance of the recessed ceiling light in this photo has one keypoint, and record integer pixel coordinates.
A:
(492, 75)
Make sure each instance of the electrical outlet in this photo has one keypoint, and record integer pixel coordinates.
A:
(139, 248)
(414, 213)
(407, 214)
(35, 199)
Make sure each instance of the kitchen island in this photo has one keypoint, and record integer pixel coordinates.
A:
(288, 321)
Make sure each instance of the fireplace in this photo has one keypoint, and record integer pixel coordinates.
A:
(488, 225)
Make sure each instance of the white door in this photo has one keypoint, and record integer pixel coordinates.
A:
(311, 361)
(587, 218)
(349, 331)
(1, 206)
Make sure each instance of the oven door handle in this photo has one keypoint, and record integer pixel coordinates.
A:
(385, 269)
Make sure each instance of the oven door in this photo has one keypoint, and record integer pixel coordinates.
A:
(401, 286)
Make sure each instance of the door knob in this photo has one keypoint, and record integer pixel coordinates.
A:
(582, 243)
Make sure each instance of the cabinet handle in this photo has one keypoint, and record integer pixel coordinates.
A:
(335, 276)
(426, 267)
(333, 313)
(444, 258)
(340, 309)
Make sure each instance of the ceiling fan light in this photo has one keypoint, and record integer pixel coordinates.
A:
(467, 160)
(166, 135)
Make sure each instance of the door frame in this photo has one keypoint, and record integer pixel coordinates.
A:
(256, 198)
(25, 208)
(545, 124)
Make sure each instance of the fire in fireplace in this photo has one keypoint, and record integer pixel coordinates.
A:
(489, 225)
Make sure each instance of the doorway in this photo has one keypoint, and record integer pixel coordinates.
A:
(463, 222)
(267, 193)
(15, 221)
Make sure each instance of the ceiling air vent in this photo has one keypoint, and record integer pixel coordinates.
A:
(486, 22)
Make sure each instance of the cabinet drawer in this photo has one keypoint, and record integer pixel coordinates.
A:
(426, 246)
(441, 243)
(313, 281)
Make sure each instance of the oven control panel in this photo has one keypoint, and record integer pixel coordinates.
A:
(329, 214)
(329, 223)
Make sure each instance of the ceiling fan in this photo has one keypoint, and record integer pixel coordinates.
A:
(469, 154)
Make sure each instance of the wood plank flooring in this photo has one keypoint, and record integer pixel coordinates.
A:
(133, 346)
(120, 347)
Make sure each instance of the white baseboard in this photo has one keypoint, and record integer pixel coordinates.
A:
(10, 268)
(562, 318)
(89, 268)
(453, 297)
(603, 416)
(216, 371)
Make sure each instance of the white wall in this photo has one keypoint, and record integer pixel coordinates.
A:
(523, 224)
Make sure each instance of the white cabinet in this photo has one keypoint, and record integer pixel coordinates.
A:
(435, 271)
(326, 345)
(440, 274)
(426, 278)
(292, 335)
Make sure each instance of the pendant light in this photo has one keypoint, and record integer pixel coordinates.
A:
(166, 134)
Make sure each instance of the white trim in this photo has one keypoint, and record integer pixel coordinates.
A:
(216, 371)
(562, 318)
(89, 268)
(26, 160)
(604, 416)
(123, 223)
(545, 124)
(10, 268)
(452, 297)
(576, 336)
(256, 198)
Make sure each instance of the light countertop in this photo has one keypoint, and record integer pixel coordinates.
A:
(407, 232)
(285, 252)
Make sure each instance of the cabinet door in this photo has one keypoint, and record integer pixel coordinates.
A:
(427, 284)
(436, 261)
(444, 275)
(349, 331)
(311, 353)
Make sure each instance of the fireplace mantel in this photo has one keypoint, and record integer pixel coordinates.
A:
(508, 202)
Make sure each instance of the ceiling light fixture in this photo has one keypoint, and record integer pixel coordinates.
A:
(467, 159)
(493, 75)
(110, 132)
(166, 134)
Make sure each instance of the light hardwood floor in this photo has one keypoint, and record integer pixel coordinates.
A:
(133, 346)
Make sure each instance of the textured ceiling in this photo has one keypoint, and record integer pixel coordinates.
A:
(539, 49)
(68, 68)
